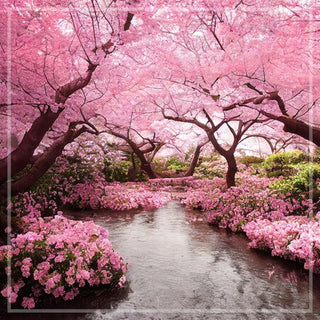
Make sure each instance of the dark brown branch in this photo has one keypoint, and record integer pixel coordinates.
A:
(65, 91)
(128, 21)
(297, 127)
(21, 156)
(44, 162)
(250, 86)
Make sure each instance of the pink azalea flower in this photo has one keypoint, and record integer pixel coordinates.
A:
(28, 303)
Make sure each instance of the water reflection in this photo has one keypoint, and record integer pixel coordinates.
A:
(184, 270)
(175, 265)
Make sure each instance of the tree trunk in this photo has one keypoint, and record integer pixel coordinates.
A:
(194, 162)
(21, 156)
(147, 168)
(42, 164)
(232, 170)
(132, 171)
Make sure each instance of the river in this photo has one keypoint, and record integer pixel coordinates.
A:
(183, 270)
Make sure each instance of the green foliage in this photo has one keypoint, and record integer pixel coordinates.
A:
(306, 178)
(175, 164)
(70, 169)
(316, 155)
(210, 167)
(142, 176)
(119, 171)
(214, 156)
(284, 163)
(170, 167)
(209, 171)
(116, 171)
(248, 161)
(75, 169)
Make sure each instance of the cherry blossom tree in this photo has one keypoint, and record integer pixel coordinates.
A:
(249, 59)
(237, 128)
(144, 147)
(261, 57)
(53, 52)
(238, 61)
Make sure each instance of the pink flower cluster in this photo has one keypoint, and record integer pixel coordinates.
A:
(235, 207)
(114, 196)
(188, 182)
(273, 222)
(34, 204)
(58, 257)
(294, 238)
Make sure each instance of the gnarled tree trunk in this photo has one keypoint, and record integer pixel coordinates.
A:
(21, 156)
(148, 169)
(194, 162)
(42, 163)
(232, 170)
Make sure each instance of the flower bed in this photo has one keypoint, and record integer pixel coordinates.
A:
(235, 207)
(58, 258)
(273, 222)
(294, 238)
(114, 196)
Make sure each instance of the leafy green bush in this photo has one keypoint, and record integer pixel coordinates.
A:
(75, 169)
(210, 167)
(250, 160)
(175, 164)
(214, 157)
(284, 163)
(48, 190)
(306, 178)
(316, 155)
(209, 170)
(116, 171)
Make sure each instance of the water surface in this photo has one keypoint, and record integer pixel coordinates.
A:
(182, 270)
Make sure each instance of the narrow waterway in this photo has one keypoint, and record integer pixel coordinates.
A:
(182, 270)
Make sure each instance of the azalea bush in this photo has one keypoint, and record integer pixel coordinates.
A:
(57, 257)
(116, 171)
(176, 165)
(294, 238)
(280, 223)
(235, 207)
(114, 196)
(170, 167)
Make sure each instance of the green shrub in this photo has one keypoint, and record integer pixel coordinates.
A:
(250, 160)
(299, 184)
(284, 163)
(175, 164)
(209, 171)
(316, 155)
(116, 171)
(214, 157)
